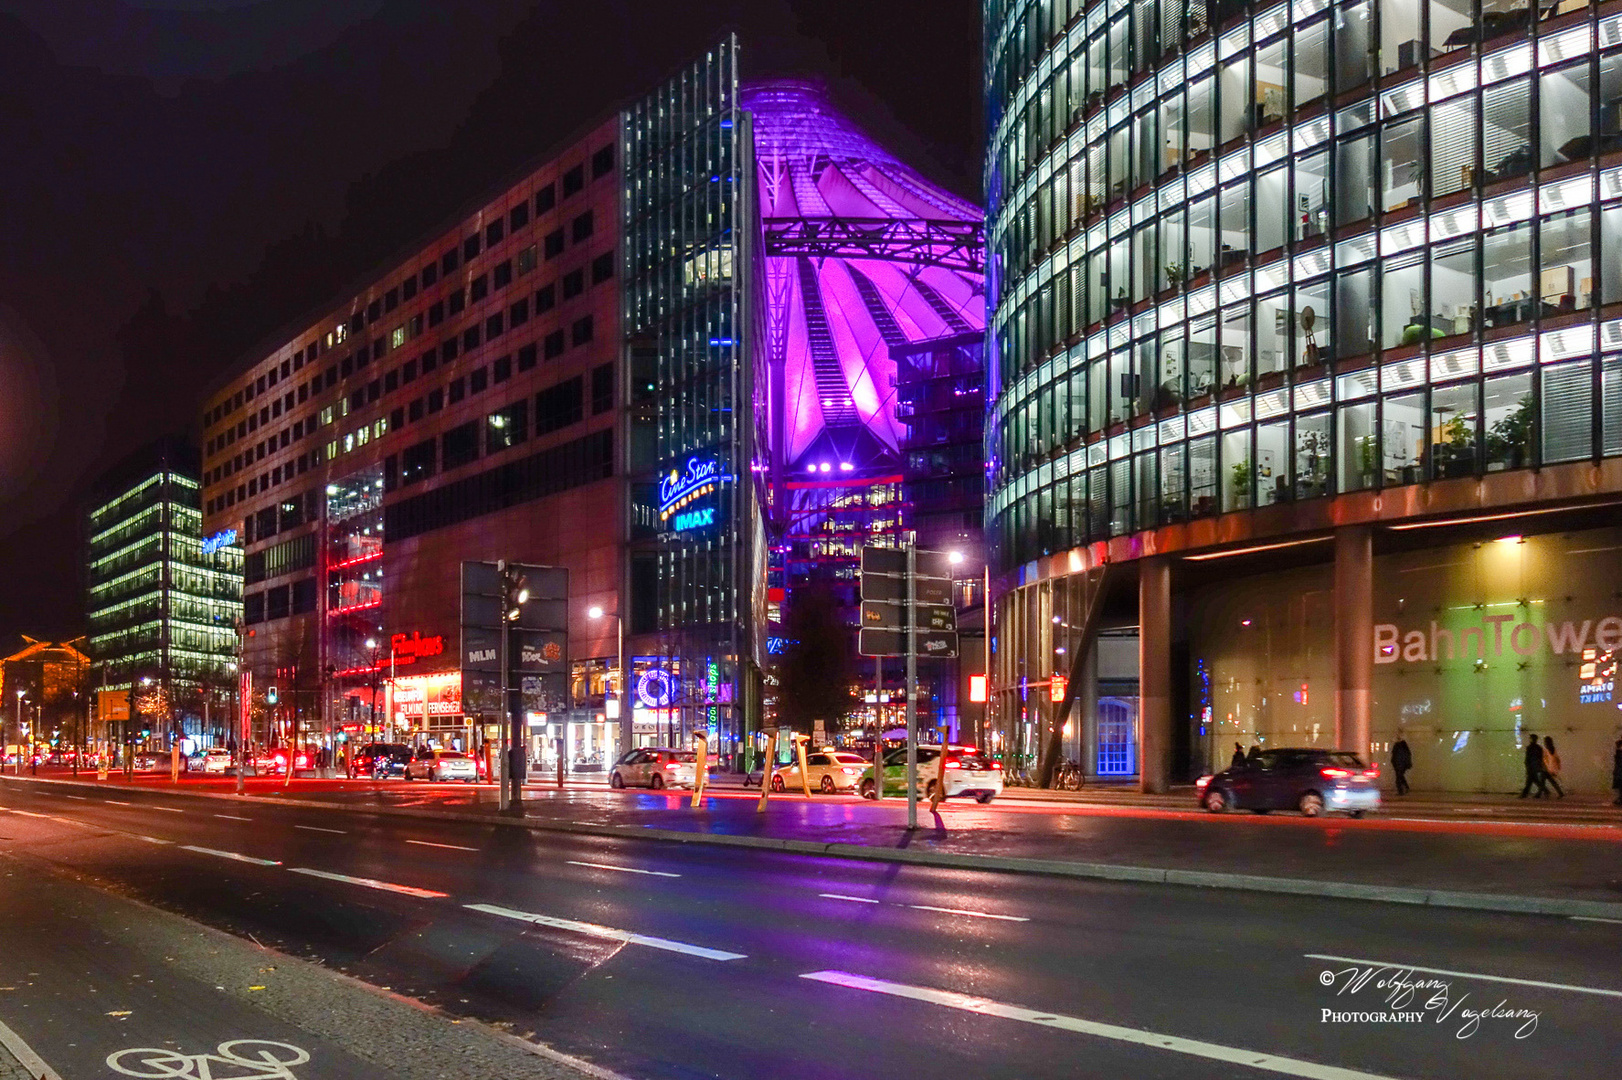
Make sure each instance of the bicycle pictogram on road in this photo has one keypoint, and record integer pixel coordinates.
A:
(235, 1059)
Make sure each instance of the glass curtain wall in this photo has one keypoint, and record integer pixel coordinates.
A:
(1303, 249)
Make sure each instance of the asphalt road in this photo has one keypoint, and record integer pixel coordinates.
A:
(660, 960)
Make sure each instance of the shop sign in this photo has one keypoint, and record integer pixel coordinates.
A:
(655, 688)
(223, 539)
(443, 693)
(409, 648)
(1495, 637)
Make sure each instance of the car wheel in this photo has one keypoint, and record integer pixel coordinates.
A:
(1216, 801)
(616, 781)
(1311, 804)
(867, 789)
(657, 782)
(827, 785)
(777, 783)
(985, 797)
(1262, 810)
(1355, 813)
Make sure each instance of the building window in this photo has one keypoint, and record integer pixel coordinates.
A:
(602, 162)
(507, 428)
(518, 314)
(546, 298)
(527, 260)
(526, 357)
(502, 275)
(470, 247)
(574, 180)
(602, 268)
(478, 380)
(554, 344)
(417, 462)
(581, 227)
(518, 217)
(458, 390)
(554, 243)
(574, 283)
(545, 199)
(460, 445)
(559, 406)
(502, 369)
(602, 389)
(580, 332)
(493, 232)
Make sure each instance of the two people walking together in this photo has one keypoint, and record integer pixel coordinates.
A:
(1542, 767)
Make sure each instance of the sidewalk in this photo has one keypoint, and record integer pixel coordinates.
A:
(1564, 867)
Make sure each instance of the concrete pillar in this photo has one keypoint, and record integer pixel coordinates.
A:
(1085, 712)
(1154, 674)
(1354, 636)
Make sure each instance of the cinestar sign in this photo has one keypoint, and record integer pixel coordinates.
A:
(1496, 636)
(681, 488)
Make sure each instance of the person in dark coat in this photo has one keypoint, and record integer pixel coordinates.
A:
(1616, 772)
(1402, 759)
(1534, 767)
(1255, 752)
(1239, 755)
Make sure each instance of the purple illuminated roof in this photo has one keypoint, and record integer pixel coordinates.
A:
(834, 312)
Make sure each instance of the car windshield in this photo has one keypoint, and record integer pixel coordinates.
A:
(1344, 760)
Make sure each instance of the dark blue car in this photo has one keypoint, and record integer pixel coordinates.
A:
(1311, 781)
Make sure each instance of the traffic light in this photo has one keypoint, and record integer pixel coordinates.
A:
(270, 695)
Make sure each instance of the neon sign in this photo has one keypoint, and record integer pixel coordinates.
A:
(409, 648)
(223, 539)
(655, 689)
(681, 488)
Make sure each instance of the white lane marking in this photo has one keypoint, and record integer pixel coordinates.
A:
(966, 911)
(1194, 1047)
(230, 855)
(81, 798)
(430, 843)
(842, 896)
(233, 817)
(1594, 918)
(115, 802)
(371, 883)
(169, 809)
(151, 839)
(594, 930)
(1466, 975)
(30, 813)
(621, 869)
(25, 1055)
(317, 828)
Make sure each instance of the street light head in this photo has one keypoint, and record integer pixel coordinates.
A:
(595, 611)
(523, 596)
(371, 643)
(954, 557)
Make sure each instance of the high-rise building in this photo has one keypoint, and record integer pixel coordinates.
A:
(1296, 307)
(161, 598)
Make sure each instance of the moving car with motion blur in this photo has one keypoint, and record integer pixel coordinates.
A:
(216, 761)
(380, 761)
(1311, 781)
(441, 765)
(655, 767)
(828, 771)
(967, 771)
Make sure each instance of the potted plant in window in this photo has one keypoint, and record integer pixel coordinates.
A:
(1455, 452)
(1176, 274)
(1243, 475)
(1368, 460)
(1510, 438)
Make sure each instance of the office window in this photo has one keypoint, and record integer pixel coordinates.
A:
(391, 380)
(493, 327)
(436, 313)
(602, 162)
(507, 427)
(502, 275)
(430, 360)
(493, 232)
(526, 357)
(554, 243)
(458, 390)
(518, 314)
(581, 331)
(581, 227)
(546, 298)
(449, 261)
(397, 419)
(574, 180)
(470, 247)
(417, 462)
(478, 380)
(408, 371)
(459, 445)
(479, 288)
(602, 389)
(554, 344)
(408, 287)
(501, 369)
(574, 283)
(545, 199)
(470, 339)
(415, 409)
(429, 274)
(559, 406)
(436, 400)
(602, 268)
(527, 260)
(518, 217)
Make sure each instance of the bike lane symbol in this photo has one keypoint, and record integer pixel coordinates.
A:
(235, 1059)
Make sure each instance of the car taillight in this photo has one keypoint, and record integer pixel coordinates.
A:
(1202, 783)
(996, 765)
(1372, 770)
(1333, 773)
(954, 764)
(303, 760)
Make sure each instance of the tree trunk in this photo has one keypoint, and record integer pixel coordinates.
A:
(1079, 646)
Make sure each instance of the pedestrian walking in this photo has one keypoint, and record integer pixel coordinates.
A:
(1239, 755)
(1551, 768)
(1402, 759)
(1533, 757)
(1616, 772)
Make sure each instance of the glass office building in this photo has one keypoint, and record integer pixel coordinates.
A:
(698, 547)
(1279, 274)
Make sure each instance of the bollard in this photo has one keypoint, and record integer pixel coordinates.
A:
(701, 768)
(767, 769)
(799, 753)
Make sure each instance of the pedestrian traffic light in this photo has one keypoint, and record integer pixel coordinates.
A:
(270, 695)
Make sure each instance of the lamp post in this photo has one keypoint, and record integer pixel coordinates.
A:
(20, 695)
(626, 712)
(376, 654)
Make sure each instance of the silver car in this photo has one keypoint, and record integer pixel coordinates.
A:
(440, 765)
(655, 767)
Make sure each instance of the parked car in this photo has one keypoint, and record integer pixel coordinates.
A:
(827, 770)
(216, 761)
(380, 761)
(968, 772)
(655, 767)
(1308, 780)
(438, 765)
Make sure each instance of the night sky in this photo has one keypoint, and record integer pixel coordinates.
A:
(181, 178)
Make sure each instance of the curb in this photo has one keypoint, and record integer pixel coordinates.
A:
(1206, 879)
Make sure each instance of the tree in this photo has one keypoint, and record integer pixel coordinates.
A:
(817, 670)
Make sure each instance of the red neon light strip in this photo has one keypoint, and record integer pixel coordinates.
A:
(357, 607)
(356, 561)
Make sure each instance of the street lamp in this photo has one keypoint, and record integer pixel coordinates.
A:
(20, 695)
(620, 687)
(376, 654)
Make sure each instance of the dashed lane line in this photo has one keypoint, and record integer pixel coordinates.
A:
(1538, 983)
(452, 847)
(230, 855)
(233, 817)
(1254, 1059)
(607, 932)
(848, 899)
(621, 869)
(966, 911)
(370, 883)
(317, 828)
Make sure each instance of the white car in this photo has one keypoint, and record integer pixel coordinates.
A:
(828, 770)
(968, 772)
(217, 761)
(655, 767)
(440, 765)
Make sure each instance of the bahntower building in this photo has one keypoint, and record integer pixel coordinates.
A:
(1306, 361)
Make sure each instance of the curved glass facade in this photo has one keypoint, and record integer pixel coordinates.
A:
(1243, 254)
